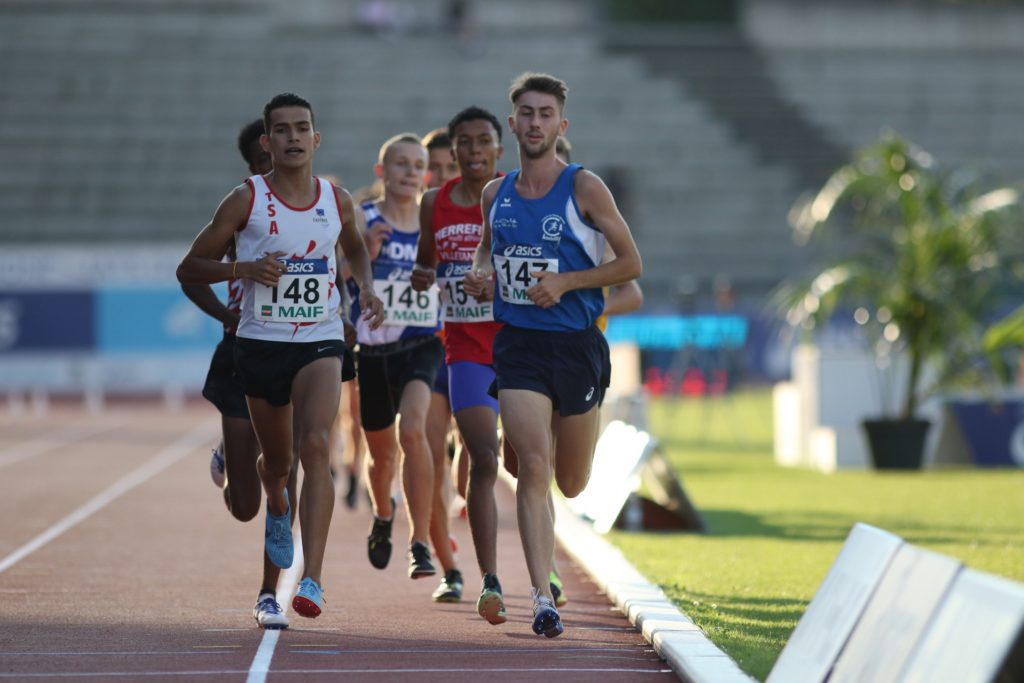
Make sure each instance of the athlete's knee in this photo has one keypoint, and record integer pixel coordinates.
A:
(483, 464)
(314, 446)
(534, 469)
(571, 484)
(244, 510)
(411, 435)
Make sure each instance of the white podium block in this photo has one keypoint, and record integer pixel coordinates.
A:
(972, 634)
(896, 617)
(826, 625)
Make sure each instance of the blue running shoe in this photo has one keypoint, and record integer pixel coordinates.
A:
(308, 599)
(545, 618)
(278, 538)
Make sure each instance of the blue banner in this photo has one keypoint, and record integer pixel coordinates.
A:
(46, 321)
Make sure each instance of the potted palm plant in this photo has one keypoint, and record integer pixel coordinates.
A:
(923, 258)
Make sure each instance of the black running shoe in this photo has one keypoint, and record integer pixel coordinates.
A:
(419, 561)
(450, 589)
(378, 543)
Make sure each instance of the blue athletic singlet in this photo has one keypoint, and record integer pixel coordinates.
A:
(408, 313)
(548, 233)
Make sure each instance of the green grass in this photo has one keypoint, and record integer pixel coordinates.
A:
(774, 532)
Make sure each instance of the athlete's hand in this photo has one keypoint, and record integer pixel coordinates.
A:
(231, 323)
(375, 237)
(350, 334)
(475, 284)
(549, 289)
(372, 308)
(267, 271)
(422, 278)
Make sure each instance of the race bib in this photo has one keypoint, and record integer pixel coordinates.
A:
(300, 295)
(456, 305)
(404, 306)
(514, 276)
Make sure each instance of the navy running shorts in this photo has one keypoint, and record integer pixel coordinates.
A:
(573, 369)
(268, 368)
(223, 387)
(385, 369)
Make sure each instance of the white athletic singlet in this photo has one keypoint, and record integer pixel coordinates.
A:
(304, 307)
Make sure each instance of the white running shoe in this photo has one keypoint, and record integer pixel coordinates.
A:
(217, 466)
(268, 613)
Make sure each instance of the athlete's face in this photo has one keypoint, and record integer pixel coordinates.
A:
(477, 149)
(441, 166)
(260, 163)
(403, 170)
(536, 122)
(291, 138)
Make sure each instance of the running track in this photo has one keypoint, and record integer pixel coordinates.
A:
(118, 561)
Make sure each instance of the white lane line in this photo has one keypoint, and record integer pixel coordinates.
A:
(50, 442)
(168, 456)
(286, 585)
(305, 672)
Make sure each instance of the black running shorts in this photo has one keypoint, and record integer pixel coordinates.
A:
(385, 369)
(223, 386)
(268, 368)
(573, 369)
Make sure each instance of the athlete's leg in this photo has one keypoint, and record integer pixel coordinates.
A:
(354, 445)
(525, 414)
(242, 488)
(575, 441)
(417, 464)
(478, 426)
(315, 395)
(381, 466)
(438, 419)
(273, 427)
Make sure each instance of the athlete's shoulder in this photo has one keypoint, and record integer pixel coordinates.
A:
(588, 183)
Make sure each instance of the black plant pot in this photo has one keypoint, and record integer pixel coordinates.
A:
(897, 444)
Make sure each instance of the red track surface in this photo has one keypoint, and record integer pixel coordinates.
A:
(110, 570)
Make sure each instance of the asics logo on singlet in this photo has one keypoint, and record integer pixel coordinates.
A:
(552, 225)
(453, 269)
(300, 267)
(523, 250)
(397, 251)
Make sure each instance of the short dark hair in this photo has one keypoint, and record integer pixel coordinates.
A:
(285, 99)
(437, 139)
(530, 81)
(249, 134)
(473, 113)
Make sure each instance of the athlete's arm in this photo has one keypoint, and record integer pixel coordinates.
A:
(203, 265)
(203, 297)
(475, 281)
(624, 298)
(426, 248)
(354, 250)
(598, 207)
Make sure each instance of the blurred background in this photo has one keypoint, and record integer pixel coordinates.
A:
(708, 119)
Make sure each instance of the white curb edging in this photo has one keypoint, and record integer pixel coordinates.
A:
(674, 636)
